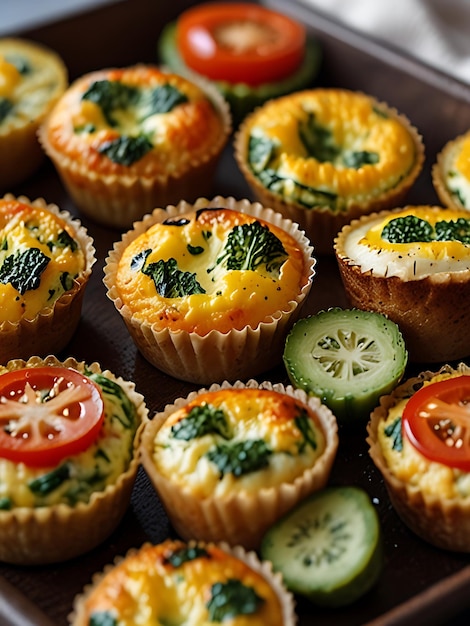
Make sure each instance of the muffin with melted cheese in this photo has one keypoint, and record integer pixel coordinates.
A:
(46, 259)
(32, 79)
(228, 461)
(419, 440)
(413, 265)
(325, 156)
(125, 141)
(209, 290)
(68, 457)
(451, 173)
(195, 583)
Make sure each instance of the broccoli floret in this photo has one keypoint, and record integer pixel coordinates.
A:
(454, 230)
(169, 280)
(407, 229)
(249, 246)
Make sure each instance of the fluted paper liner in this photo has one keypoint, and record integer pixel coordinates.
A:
(443, 522)
(242, 517)
(53, 327)
(216, 356)
(79, 617)
(32, 536)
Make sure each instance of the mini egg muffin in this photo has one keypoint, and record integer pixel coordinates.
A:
(209, 290)
(68, 457)
(413, 265)
(325, 156)
(125, 140)
(451, 173)
(228, 461)
(419, 440)
(46, 259)
(194, 583)
(32, 78)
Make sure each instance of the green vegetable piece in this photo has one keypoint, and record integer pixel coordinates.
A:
(47, 483)
(453, 230)
(394, 430)
(317, 140)
(358, 159)
(232, 598)
(111, 95)
(21, 63)
(183, 555)
(112, 388)
(250, 246)
(64, 240)
(162, 99)
(302, 195)
(261, 151)
(102, 618)
(240, 458)
(304, 424)
(194, 250)
(201, 420)
(5, 504)
(126, 150)
(5, 107)
(171, 282)
(346, 357)
(66, 280)
(24, 270)
(407, 229)
(328, 548)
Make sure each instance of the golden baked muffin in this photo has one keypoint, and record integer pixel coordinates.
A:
(228, 461)
(45, 264)
(413, 265)
(419, 440)
(32, 78)
(195, 583)
(68, 457)
(451, 173)
(208, 291)
(127, 140)
(325, 156)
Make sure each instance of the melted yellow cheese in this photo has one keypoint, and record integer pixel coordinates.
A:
(28, 229)
(365, 246)
(250, 415)
(232, 298)
(147, 589)
(410, 466)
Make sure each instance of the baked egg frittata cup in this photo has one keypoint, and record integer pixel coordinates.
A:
(323, 157)
(451, 173)
(413, 265)
(127, 140)
(431, 497)
(230, 460)
(56, 507)
(45, 264)
(209, 290)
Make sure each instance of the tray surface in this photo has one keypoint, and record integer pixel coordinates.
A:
(419, 584)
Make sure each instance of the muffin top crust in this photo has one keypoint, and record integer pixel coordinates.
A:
(214, 268)
(410, 243)
(136, 121)
(330, 147)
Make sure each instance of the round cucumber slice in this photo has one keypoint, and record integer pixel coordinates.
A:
(329, 547)
(346, 357)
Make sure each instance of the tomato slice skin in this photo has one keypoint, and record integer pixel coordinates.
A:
(436, 420)
(48, 414)
(276, 55)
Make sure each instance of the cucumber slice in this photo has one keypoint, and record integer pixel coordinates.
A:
(346, 357)
(329, 547)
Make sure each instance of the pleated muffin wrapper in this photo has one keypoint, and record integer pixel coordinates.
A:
(216, 356)
(320, 223)
(80, 615)
(56, 533)
(119, 200)
(241, 517)
(53, 327)
(445, 165)
(442, 522)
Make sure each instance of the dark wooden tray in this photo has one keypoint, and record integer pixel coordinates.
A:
(420, 584)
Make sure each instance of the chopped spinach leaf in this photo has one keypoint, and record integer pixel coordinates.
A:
(5, 107)
(240, 458)
(260, 152)
(126, 150)
(114, 389)
(195, 250)
(47, 483)
(395, 432)
(110, 95)
(64, 240)
(182, 555)
(232, 598)
(24, 270)
(66, 280)
(201, 420)
(162, 99)
(317, 140)
(358, 159)
(170, 281)
(5, 504)
(304, 424)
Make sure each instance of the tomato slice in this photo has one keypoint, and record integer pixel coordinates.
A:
(240, 43)
(47, 414)
(436, 420)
